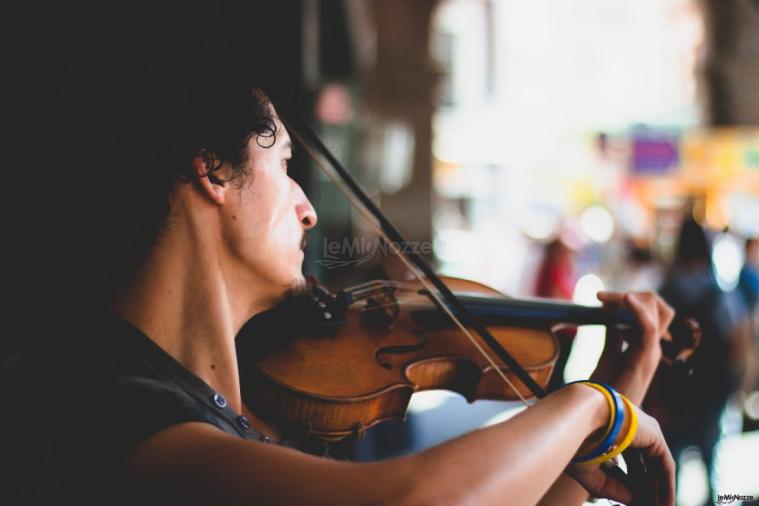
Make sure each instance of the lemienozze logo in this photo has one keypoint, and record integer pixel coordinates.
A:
(730, 498)
(357, 251)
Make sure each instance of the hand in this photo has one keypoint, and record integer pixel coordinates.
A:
(658, 459)
(630, 371)
(651, 312)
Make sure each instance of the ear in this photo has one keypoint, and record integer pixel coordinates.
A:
(207, 181)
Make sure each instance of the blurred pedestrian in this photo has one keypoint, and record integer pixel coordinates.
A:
(556, 274)
(690, 406)
(556, 280)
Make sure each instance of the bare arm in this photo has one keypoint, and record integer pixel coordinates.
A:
(629, 371)
(514, 462)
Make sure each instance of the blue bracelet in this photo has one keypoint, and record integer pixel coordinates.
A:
(611, 437)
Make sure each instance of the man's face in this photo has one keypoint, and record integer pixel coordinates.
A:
(267, 218)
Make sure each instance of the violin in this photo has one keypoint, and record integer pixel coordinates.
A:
(353, 358)
(338, 362)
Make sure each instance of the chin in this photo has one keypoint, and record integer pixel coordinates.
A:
(297, 287)
(298, 282)
(284, 277)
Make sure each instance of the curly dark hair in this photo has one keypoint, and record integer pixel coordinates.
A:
(131, 116)
(225, 146)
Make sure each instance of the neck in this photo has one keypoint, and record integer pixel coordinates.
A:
(185, 301)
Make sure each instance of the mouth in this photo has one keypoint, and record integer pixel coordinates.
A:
(304, 243)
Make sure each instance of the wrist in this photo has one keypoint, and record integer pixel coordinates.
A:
(643, 362)
(644, 356)
(594, 405)
(616, 407)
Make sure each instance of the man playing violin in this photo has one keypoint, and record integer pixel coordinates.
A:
(214, 229)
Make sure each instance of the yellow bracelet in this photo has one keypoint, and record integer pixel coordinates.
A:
(622, 446)
(612, 407)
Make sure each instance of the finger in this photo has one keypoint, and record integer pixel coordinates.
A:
(611, 298)
(602, 485)
(659, 309)
(662, 472)
(615, 490)
(667, 487)
(666, 315)
(656, 483)
(642, 314)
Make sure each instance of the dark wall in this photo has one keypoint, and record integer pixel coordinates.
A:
(40, 43)
(731, 66)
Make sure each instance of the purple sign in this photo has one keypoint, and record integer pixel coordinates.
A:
(654, 154)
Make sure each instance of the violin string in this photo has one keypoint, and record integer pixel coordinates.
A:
(369, 286)
(374, 308)
(430, 288)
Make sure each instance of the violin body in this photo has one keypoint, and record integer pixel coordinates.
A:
(337, 363)
(340, 379)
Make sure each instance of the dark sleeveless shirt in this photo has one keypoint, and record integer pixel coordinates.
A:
(87, 405)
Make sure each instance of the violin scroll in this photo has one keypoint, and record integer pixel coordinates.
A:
(686, 336)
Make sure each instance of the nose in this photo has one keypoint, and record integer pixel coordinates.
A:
(305, 211)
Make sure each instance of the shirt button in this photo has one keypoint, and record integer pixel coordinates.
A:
(265, 439)
(242, 420)
(219, 400)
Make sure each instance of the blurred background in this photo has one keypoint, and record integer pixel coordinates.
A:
(542, 147)
(558, 149)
